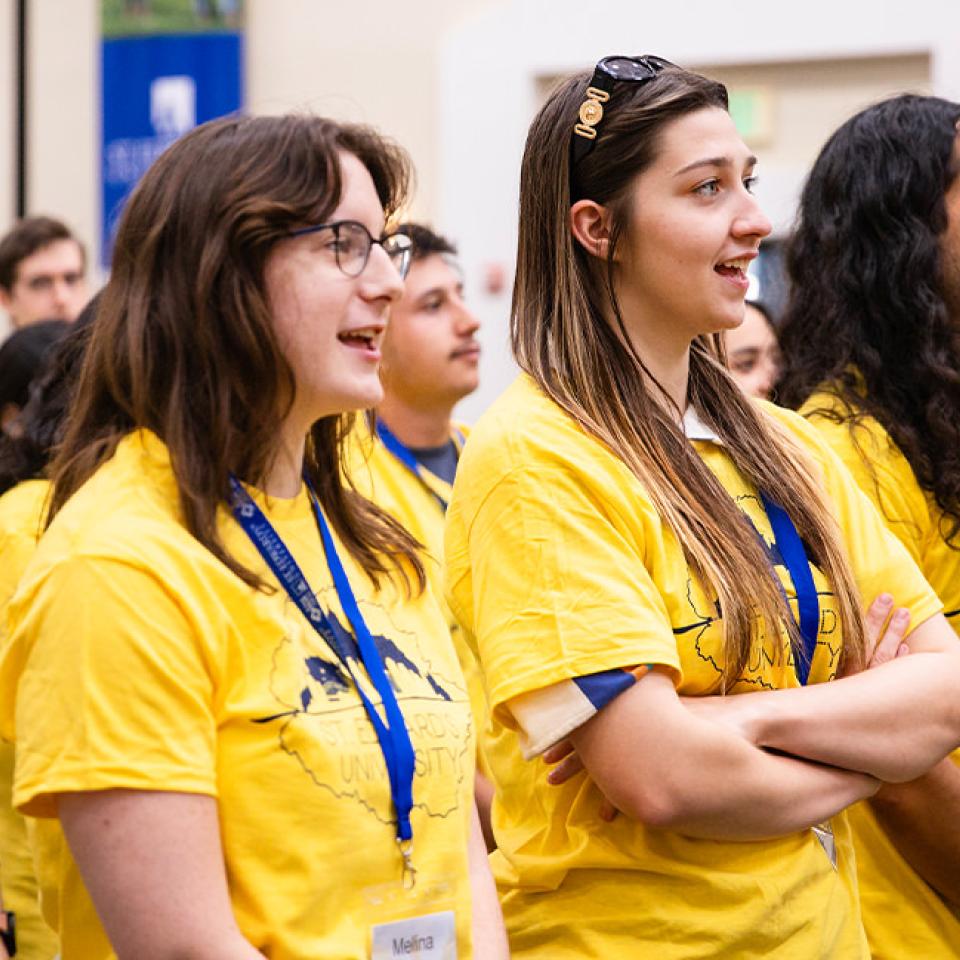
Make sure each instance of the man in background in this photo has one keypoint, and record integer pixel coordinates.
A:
(42, 272)
(407, 456)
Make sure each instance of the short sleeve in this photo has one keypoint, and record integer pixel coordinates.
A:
(560, 584)
(113, 686)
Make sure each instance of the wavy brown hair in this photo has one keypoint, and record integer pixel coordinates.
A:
(868, 319)
(183, 343)
(569, 335)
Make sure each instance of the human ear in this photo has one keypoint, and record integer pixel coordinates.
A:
(590, 226)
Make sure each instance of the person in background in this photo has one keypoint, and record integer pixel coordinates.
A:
(270, 745)
(406, 456)
(22, 355)
(671, 575)
(24, 489)
(43, 272)
(753, 353)
(871, 339)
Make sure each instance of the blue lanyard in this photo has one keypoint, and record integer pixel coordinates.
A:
(787, 538)
(406, 457)
(394, 738)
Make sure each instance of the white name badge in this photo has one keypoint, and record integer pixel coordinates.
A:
(430, 937)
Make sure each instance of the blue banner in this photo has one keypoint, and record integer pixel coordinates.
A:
(155, 89)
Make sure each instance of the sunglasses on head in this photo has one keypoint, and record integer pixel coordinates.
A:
(608, 71)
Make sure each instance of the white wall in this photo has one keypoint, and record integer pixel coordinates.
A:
(372, 62)
(491, 68)
(63, 131)
(63, 109)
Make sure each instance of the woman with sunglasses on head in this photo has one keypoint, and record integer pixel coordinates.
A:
(263, 737)
(630, 537)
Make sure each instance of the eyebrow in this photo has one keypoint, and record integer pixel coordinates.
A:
(715, 162)
(431, 292)
(441, 291)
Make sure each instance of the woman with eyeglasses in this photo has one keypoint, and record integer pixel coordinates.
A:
(668, 576)
(222, 672)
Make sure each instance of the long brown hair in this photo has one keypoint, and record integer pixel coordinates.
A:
(564, 341)
(183, 342)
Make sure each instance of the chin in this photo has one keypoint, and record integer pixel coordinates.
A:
(350, 401)
(723, 322)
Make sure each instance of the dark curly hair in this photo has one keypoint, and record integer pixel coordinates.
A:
(867, 315)
(25, 455)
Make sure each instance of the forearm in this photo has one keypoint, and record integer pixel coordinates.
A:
(489, 934)
(922, 820)
(769, 797)
(700, 778)
(483, 794)
(858, 723)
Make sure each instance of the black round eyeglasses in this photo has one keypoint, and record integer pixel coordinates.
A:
(352, 243)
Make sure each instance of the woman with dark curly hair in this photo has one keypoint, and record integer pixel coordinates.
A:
(872, 344)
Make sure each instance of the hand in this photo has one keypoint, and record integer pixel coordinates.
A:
(884, 630)
(569, 765)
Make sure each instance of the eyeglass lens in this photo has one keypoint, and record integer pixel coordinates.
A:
(354, 244)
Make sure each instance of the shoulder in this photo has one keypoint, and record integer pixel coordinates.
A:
(128, 511)
(528, 460)
(791, 424)
(21, 510)
(524, 429)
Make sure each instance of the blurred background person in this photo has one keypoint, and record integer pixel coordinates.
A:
(23, 492)
(407, 462)
(753, 353)
(871, 342)
(43, 270)
(22, 356)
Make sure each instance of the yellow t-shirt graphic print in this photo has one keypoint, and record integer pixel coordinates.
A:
(137, 660)
(317, 691)
(559, 567)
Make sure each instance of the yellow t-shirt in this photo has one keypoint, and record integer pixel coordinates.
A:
(902, 915)
(413, 501)
(21, 521)
(137, 660)
(559, 567)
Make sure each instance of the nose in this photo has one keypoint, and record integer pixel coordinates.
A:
(769, 373)
(751, 221)
(61, 293)
(467, 322)
(380, 278)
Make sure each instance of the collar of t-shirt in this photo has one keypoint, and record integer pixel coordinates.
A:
(696, 429)
(440, 461)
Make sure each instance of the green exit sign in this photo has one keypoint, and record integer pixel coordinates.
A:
(752, 112)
